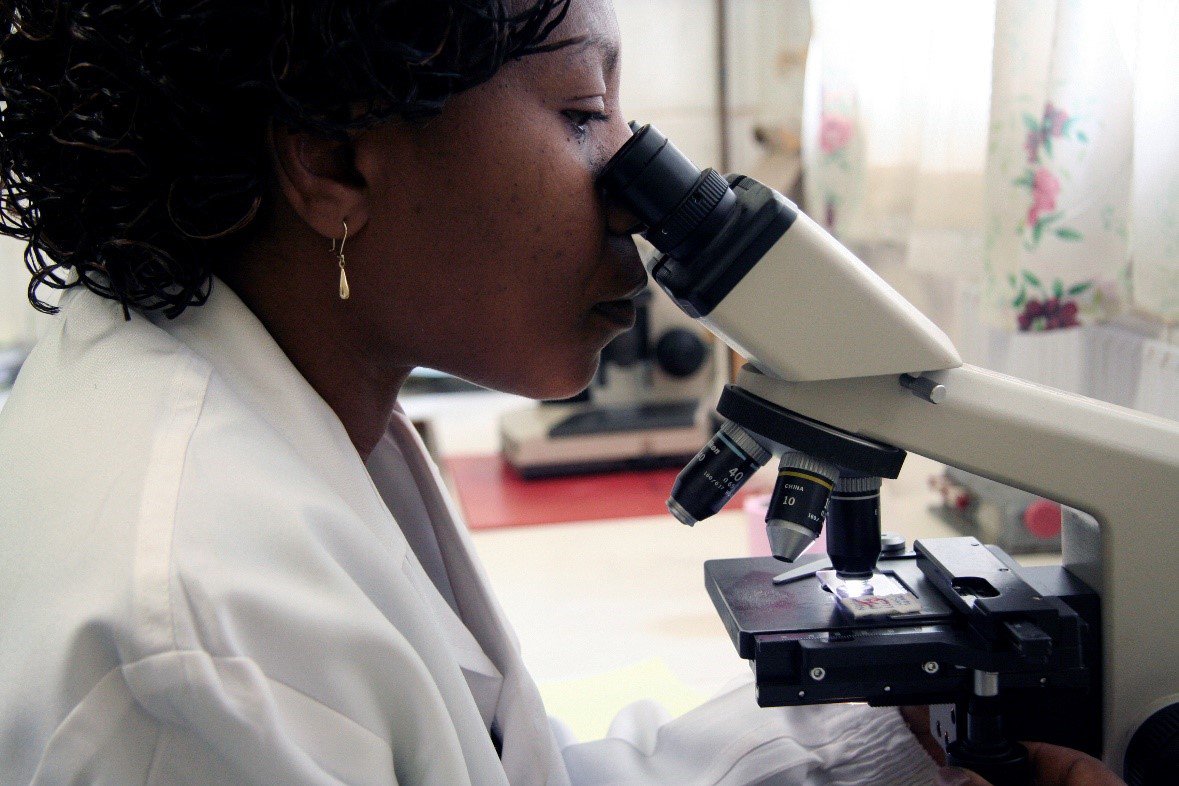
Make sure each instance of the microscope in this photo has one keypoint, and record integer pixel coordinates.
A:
(844, 378)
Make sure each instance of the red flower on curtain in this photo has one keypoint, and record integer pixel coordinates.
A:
(1054, 124)
(1046, 307)
(834, 133)
(1045, 188)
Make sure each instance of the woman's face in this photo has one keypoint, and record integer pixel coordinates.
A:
(488, 253)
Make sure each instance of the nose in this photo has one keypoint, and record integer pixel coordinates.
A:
(620, 221)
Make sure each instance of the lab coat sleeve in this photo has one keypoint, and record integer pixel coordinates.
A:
(353, 704)
(730, 741)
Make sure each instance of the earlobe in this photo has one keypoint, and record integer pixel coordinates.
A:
(317, 177)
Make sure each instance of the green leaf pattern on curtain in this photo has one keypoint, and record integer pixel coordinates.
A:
(1059, 167)
(1083, 163)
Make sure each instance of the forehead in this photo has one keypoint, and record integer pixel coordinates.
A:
(591, 27)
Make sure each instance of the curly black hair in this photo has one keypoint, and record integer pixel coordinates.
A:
(132, 132)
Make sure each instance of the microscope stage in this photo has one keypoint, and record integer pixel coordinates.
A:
(751, 605)
(979, 611)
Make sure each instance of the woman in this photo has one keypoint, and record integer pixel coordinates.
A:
(227, 558)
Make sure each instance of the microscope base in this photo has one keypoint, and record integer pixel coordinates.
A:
(553, 440)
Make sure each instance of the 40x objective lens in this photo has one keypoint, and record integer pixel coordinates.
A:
(795, 517)
(715, 474)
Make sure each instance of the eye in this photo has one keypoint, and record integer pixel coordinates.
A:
(580, 120)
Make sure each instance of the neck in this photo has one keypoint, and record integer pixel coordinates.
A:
(321, 336)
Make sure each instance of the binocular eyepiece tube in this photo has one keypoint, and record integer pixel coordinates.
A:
(711, 231)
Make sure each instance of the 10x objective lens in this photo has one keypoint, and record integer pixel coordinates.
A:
(795, 517)
(715, 474)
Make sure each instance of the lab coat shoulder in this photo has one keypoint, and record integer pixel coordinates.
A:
(286, 621)
(252, 626)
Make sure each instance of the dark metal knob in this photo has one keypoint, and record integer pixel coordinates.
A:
(680, 352)
(1152, 758)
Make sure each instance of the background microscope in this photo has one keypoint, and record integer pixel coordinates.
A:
(644, 408)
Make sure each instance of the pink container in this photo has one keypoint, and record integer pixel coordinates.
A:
(755, 524)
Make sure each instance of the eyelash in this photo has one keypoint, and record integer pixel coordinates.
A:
(580, 120)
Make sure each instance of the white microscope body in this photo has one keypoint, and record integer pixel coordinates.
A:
(1119, 466)
(828, 340)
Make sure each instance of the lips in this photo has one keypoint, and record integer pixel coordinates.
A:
(621, 312)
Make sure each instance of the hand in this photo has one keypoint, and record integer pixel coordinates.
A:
(1052, 765)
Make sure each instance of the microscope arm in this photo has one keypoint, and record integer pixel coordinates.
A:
(1117, 465)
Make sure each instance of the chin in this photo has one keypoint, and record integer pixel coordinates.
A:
(551, 381)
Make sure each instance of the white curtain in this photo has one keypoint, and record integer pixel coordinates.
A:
(1060, 173)
(895, 128)
(1083, 198)
(1028, 143)
(1154, 249)
(894, 139)
(1013, 168)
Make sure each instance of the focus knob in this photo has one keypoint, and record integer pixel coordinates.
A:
(680, 352)
(1152, 758)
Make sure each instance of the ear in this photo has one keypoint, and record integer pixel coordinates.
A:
(319, 179)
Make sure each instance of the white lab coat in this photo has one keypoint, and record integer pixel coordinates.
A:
(201, 582)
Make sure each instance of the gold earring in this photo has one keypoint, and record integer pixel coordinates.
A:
(344, 291)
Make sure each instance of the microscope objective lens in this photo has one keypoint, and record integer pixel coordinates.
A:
(853, 526)
(716, 473)
(795, 516)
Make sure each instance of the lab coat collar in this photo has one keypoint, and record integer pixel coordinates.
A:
(227, 334)
(530, 753)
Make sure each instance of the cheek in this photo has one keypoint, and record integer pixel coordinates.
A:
(548, 237)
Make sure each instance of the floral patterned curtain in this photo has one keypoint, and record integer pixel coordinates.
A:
(1060, 166)
(1083, 164)
(1042, 162)
(895, 136)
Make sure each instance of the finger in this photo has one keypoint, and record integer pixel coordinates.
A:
(956, 776)
(1057, 766)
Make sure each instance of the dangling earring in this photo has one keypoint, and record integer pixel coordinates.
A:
(344, 291)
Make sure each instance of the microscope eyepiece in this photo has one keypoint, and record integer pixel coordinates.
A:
(717, 472)
(682, 207)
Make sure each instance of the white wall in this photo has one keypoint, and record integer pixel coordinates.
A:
(767, 46)
(17, 317)
(670, 74)
(669, 71)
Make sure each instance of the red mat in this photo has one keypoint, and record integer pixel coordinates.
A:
(494, 495)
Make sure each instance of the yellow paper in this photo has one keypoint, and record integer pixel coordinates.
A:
(589, 704)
